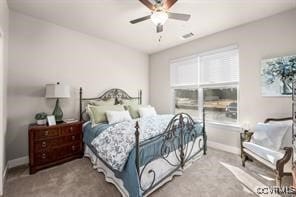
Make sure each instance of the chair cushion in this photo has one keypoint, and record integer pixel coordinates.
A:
(263, 152)
(263, 161)
(269, 135)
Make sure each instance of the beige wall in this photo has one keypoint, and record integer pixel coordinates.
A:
(3, 73)
(42, 53)
(267, 38)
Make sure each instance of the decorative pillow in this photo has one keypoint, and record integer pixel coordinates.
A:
(117, 116)
(287, 139)
(147, 111)
(269, 135)
(127, 102)
(102, 102)
(97, 114)
(134, 110)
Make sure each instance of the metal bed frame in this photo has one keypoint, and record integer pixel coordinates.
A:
(179, 139)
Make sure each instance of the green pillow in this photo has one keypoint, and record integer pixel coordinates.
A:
(129, 102)
(97, 114)
(134, 110)
(102, 102)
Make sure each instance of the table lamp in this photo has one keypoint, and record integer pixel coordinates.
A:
(57, 91)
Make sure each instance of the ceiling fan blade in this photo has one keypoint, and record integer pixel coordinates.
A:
(159, 28)
(167, 4)
(177, 16)
(140, 19)
(148, 4)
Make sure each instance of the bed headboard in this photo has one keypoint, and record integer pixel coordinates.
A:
(115, 93)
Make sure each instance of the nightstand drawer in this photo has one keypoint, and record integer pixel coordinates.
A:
(44, 157)
(70, 149)
(70, 130)
(73, 138)
(46, 144)
(46, 133)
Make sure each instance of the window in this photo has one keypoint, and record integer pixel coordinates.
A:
(210, 81)
(220, 104)
(186, 101)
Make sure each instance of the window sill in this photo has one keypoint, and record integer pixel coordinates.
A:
(228, 125)
(234, 127)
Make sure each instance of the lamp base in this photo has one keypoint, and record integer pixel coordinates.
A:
(60, 122)
(57, 112)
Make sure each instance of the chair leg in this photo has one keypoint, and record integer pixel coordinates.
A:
(278, 180)
(244, 158)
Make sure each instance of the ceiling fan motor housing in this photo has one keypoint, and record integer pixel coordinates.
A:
(160, 13)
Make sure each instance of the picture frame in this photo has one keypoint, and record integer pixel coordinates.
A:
(51, 120)
(294, 90)
(293, 112)
(277, 76)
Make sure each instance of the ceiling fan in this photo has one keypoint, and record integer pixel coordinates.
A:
(160, 14)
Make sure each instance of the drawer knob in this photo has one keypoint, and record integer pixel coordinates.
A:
(73, 148)
(43, 144)
(43, 156)
(73, 137)
(46, 133)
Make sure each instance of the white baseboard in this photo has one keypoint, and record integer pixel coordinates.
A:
(224, 147)
(17, 162)
(4, 173)
(3, 180)
(11, 164)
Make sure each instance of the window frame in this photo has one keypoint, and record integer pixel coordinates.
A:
(200, 86)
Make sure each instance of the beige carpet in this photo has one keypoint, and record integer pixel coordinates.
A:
(209, 176)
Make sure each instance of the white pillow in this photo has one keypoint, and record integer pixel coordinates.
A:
(287, 139)
(147, 111)
(117, 116)
(269, 135)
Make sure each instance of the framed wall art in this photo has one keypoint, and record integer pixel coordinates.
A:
(277, 75)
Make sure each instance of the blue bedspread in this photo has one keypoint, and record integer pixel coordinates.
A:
(129, 174)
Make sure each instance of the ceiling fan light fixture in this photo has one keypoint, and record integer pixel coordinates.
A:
(159, 17)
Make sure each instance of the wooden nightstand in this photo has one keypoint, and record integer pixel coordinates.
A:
(51, 145)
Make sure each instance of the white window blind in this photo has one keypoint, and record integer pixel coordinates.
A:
(184, 71)
(219, 67)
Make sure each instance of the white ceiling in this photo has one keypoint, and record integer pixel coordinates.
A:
(109, 19)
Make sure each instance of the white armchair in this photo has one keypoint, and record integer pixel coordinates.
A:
(271, 145)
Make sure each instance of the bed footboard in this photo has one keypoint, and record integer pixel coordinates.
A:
(183, 140)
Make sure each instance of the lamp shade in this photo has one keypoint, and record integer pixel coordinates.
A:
(57, 91)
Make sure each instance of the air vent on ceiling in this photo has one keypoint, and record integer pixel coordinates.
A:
(186, 36)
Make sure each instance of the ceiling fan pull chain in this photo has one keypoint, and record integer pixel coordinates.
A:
(159, 39)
